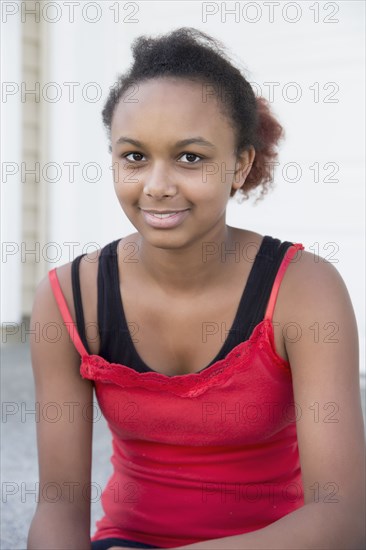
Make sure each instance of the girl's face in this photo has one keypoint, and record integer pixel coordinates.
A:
(154, 171)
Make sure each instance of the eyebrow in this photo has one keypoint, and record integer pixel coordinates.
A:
(198, 140)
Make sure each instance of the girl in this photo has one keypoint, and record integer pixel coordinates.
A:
(226, 433)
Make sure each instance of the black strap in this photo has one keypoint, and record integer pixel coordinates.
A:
(256, 293)
(80, 324)
(260, 282)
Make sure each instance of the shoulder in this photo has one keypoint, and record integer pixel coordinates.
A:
(88, 268)
(88, 277)
(88, 271)
(314, 285)
(318, 321)
(313, 308)
(308, 279)
(45, 297)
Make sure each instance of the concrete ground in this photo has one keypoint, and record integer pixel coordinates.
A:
(19, 466)
(19, 452)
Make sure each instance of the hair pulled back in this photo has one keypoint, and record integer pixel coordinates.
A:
(194, 55)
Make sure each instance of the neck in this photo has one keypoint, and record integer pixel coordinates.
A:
(189, 269)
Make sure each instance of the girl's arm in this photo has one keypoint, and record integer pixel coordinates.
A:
(322, 345)
(64, 428)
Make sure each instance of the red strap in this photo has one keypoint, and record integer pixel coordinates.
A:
(290, 253)
(69, 323)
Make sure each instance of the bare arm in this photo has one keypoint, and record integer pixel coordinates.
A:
(62, 517)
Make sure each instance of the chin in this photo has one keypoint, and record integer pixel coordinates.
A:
(164, 239)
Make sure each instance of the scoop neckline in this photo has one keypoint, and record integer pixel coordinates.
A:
(191, 384)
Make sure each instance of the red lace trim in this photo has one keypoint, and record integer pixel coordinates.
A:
(94, 367)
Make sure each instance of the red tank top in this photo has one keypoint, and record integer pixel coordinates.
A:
(203, 455)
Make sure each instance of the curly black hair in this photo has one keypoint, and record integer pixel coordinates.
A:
(192, 54)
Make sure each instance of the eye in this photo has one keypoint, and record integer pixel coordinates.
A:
(190, 155)
(134, 153)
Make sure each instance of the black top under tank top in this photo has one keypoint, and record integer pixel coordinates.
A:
(116, 343)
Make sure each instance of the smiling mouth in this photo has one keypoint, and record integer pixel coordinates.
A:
(162, 216)
(165, 214)
(164, 220)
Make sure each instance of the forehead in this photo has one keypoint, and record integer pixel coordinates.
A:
(183, 104)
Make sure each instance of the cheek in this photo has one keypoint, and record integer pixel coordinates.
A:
(213, 191)
(126, 183)
(217, 178)
(126, 194)
(121, 178)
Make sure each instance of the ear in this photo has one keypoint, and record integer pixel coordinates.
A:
(244, 164)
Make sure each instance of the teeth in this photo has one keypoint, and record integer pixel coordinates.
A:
(164, 215)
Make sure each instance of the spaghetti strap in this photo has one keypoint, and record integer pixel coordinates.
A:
(69, 323)
(290, 253)
(78, 304)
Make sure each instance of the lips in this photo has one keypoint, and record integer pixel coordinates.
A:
(167, 219)
(156, 211)
(162, 215)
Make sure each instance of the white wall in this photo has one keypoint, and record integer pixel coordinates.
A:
(305, 52)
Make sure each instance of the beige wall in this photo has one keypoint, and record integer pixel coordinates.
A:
(31, 203)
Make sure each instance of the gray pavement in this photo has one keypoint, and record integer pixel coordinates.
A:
(19, 451)
(19, 465)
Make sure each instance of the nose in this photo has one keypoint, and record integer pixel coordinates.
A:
(158, 184)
